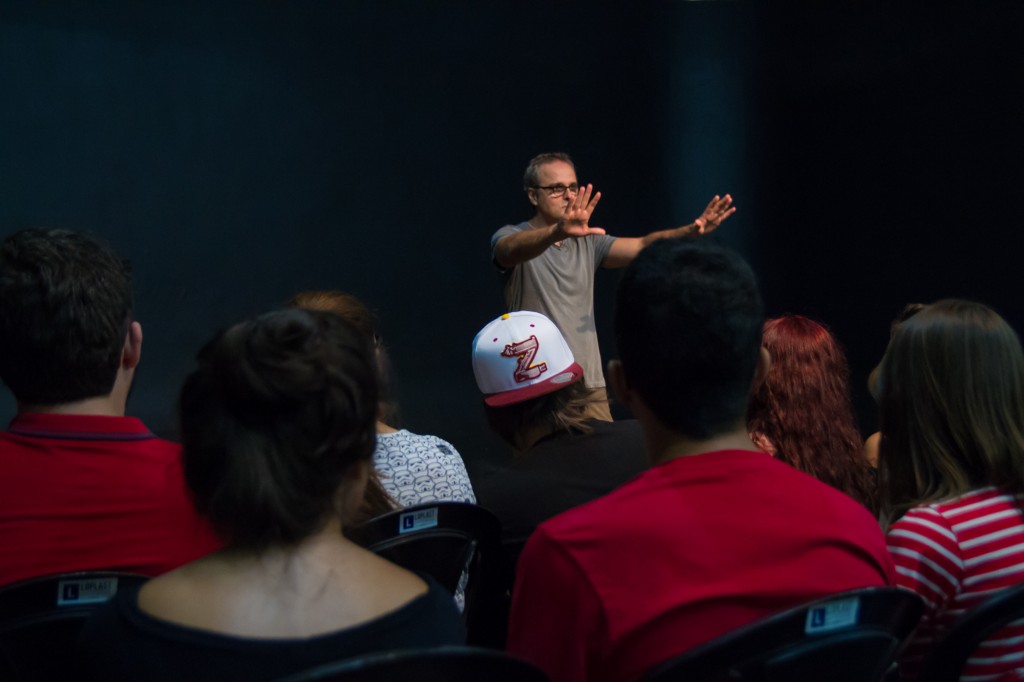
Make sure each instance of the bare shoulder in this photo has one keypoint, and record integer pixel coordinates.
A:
(311, 596)
(181, 595)
(392, 579)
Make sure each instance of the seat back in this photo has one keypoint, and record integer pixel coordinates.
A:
(442, 664)
(849, 637)
(452, 542)
(949, 655)
(40, 619)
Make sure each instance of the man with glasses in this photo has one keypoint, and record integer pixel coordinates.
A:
(548, 262)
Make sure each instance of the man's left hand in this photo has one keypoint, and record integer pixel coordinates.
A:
(718, 209)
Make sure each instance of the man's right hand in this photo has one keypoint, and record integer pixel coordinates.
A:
(575, 222)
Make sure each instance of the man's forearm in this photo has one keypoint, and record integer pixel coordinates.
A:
(522, 246)
(690, 230)
(625, 249)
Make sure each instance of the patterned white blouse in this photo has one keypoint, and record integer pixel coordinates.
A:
(415, 469)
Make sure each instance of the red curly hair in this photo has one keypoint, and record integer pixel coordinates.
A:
(802, 411)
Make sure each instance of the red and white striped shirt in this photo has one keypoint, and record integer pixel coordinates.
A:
(956, 554)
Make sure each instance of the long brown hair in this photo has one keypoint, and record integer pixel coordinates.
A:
(951, 399)
(908, 312)
(354, 311)
(803, 407)
(349, 308)
(564, 410)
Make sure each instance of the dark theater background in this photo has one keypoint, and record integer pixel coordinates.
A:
(240, 152)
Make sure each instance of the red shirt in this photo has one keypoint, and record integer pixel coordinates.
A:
(82, 492)
(685, 552)
(956, 554)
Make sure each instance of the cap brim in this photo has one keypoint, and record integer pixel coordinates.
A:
(569, 375)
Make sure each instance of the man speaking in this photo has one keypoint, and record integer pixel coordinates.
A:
(548, 262)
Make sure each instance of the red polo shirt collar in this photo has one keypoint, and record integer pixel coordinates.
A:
(79, 427)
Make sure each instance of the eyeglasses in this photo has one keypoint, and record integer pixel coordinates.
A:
(559, 190)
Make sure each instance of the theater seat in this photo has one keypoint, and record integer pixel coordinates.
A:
(452, 542)
(40, 619)
(443, 664)
(848, 637)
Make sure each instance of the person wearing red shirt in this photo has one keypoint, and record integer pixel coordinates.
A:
(82, 486)
(716, 534)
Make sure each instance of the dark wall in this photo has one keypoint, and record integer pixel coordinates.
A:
(888, 161)
(240, 152)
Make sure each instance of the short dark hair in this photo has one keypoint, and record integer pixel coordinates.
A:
(274, 420)
(65, 307)
(532, 175)
(688, 319)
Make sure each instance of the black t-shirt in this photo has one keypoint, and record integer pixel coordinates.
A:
(561, 471)
(121, 642)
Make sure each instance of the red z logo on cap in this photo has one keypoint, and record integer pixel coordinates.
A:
(525, 352)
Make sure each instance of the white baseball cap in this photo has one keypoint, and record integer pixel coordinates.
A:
(520, 356)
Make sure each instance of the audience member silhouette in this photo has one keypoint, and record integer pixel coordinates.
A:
(951, 463)
(801, 413)
(412, 468)
(716, 534)
(82, 485)
(563, 455)
(277, 424)
(871, 443)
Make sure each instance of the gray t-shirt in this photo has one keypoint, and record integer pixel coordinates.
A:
(560, 284)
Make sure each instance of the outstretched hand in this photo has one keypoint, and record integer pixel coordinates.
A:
(718, 209)
(575, 222)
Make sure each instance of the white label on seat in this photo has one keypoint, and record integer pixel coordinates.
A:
(417, 520)
(85, 591)
(834, 615)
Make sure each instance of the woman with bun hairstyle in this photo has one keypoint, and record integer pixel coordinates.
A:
(951, 463)
(277, 425)
(801, 413)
